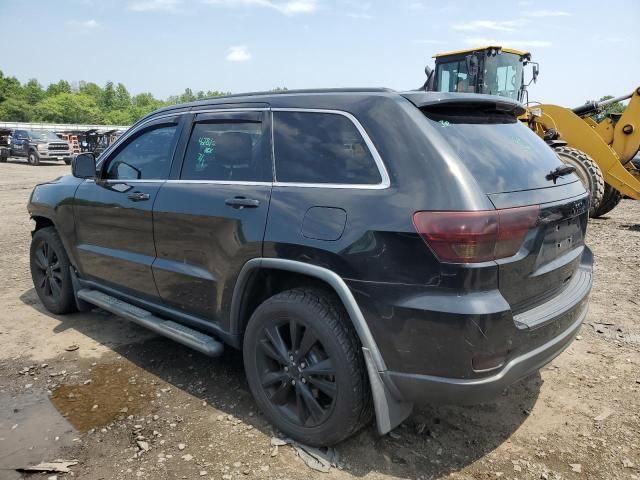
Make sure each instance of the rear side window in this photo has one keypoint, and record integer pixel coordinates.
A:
(313, 147)
(502, 154)
(227, 151)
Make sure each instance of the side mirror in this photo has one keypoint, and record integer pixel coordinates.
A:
(84, 165)
(536, 71)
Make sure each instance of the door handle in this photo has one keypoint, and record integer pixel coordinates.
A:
(242, 202)
(138, 196)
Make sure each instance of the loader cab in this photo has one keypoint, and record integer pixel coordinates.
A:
(490, 70)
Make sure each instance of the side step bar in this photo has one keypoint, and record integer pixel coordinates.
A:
(175, 331)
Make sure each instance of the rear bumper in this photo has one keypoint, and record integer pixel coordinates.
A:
(433, 341)
(432, 389)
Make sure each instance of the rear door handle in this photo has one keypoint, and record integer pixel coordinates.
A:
(138, 196)
(242, 202)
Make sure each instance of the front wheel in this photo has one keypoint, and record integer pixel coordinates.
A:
(33, 158)
(588, 172)
(50, 272)
(305, 367)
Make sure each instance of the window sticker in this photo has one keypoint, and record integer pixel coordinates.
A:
(207, 146)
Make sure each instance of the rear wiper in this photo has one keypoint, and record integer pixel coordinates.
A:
(560, 172)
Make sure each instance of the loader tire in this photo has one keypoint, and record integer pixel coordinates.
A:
(588, 171)
(610, 199)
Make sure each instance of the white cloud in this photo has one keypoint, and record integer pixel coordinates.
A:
(416, 6)
(513, 43)
(299, 6)
(548, 13)
(474, 25)
(238, 53)
(91, 23)
(155, 6)
(291, 7)
(360, 16)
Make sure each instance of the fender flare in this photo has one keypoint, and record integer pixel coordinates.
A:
(389, 406)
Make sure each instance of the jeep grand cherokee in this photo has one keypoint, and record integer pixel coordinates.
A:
(366, 249)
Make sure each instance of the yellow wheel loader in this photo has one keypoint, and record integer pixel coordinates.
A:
(601, 152)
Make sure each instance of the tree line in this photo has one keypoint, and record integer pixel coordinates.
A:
(82, 102)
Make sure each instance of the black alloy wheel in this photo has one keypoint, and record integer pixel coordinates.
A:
(298, 376)
(50, 271)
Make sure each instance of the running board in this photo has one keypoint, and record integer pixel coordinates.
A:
(175, 331)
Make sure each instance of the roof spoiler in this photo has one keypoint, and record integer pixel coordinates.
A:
(464, 101)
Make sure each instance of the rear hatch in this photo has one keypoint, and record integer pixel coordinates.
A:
(512, 166)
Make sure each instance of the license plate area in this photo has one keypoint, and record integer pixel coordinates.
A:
(560, 237)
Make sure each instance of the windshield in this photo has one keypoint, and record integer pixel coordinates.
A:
(503, 75)
(42, 135)
(500, 152)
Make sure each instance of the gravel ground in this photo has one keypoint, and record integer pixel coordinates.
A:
(127, 404)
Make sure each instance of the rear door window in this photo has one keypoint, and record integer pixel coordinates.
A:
(321, 148)
(501, 153)
(228, 148)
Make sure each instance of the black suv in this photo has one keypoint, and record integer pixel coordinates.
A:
(366, 249)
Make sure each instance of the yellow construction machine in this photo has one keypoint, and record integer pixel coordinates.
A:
(600, 151)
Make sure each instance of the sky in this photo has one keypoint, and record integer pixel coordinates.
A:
(586, 49)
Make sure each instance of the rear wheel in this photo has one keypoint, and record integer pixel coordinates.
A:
(50, 272)
(610, 199)
(588, 171)
(305, 367)
(33, 158)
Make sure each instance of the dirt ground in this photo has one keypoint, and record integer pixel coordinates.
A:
(127, 404)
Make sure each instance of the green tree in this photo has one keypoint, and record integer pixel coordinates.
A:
(108, 97)
(16, 110)
(56, 88)
(122, 99)
(33, 92)
(69, 108)
(616, 107)
(90, 89)
(9, 87)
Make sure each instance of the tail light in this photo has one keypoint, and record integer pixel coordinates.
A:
(477, 236)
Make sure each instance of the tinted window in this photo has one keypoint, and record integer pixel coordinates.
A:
(321, 148)
(146, 157)
(227, 151)
(501, 153)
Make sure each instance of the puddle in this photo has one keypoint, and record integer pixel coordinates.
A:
(29, 426)
(115, 391)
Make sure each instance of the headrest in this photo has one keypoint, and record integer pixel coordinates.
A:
(234, 148)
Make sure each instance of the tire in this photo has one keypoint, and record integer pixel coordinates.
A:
(33, 158)
(67, 161)
(610, 200)
(587, 170)
(50, 272)
(317, 409)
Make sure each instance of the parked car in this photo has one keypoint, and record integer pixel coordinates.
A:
(366, 249)
(38, 145)
(5, 148)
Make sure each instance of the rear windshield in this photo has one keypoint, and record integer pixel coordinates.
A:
(502, 153)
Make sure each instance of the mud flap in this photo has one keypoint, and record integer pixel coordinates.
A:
(80, 304)
(390, 412)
